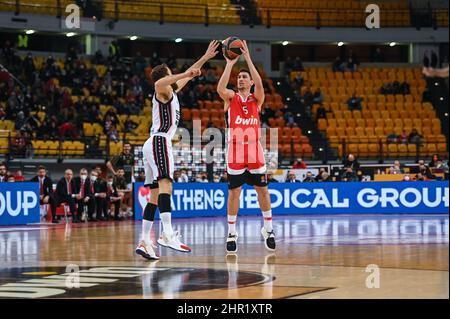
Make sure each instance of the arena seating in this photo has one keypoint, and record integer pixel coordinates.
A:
(345, 13)
(291, 140)
(381, 115)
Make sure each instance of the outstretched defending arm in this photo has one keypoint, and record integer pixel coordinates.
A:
(259, 88)
(209, 54)
(163, 86)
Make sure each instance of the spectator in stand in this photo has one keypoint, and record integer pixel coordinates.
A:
(66, 192)
(18, 176)
(3, 173)
(349, 175)
(321, 112)
(319, 176)
(18, 145)
(354, 103)
(298, 65)
(288, 65)
(130, 125)
(351, 162)
(425, 171)
(396, 168)
(325, 177)
(46, 195)
(141, 176)
(377, 56)
(309, 178)
(337, 65)
(299, 164)
(351, 65)
(292, 178)
(11, 179)
(434, 160)
(318, 96)
(403, 138)
(414, 137)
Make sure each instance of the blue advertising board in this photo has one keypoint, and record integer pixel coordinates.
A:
(210, 199)
(19, 203)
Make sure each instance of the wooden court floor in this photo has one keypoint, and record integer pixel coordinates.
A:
(317, 257)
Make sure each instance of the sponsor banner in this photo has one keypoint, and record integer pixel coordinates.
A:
(210, 199)
(19, 203)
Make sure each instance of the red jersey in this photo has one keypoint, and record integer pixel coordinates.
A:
(244, 150)
(242, 119)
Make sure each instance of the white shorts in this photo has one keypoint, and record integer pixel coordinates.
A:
(158, 159)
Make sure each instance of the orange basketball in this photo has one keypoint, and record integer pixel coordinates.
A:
(231, 47)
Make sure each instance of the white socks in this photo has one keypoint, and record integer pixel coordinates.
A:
(146, 228)
(232, 224)
(267, 221)
(166, 219)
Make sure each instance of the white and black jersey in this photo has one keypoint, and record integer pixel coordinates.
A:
(165, 117)
(157, 150)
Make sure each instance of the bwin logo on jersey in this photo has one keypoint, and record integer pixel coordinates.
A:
(250, 121)
(15, 202)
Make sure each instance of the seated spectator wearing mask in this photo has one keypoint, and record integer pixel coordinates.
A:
(83, 191)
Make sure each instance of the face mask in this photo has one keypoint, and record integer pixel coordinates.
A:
(83, 177)
(110, 183)
(93, 178)
(216, 180)
(406, 178)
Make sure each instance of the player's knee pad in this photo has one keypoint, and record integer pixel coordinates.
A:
(149, 212)
(164, 203)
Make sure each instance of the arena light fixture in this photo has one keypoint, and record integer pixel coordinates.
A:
(133, 37)
(392, 44)
(284, 43)
(30, 31)
(178, 40)
(340, 44)
(70, 34)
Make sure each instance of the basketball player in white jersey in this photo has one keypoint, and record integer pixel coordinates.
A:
(158, 155)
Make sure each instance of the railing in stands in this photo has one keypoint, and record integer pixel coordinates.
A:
(270, 16)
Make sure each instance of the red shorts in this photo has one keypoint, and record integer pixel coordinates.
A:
(245, 156)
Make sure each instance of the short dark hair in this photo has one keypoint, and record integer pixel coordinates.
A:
(245, 71)
(41, 167)
(118, 168)
(159, 72)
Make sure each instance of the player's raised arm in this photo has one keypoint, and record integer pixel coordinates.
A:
(210, 53)
(225, 93)
(163, 87)
(259, 88)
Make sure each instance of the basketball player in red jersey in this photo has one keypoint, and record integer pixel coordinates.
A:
(245, 157)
